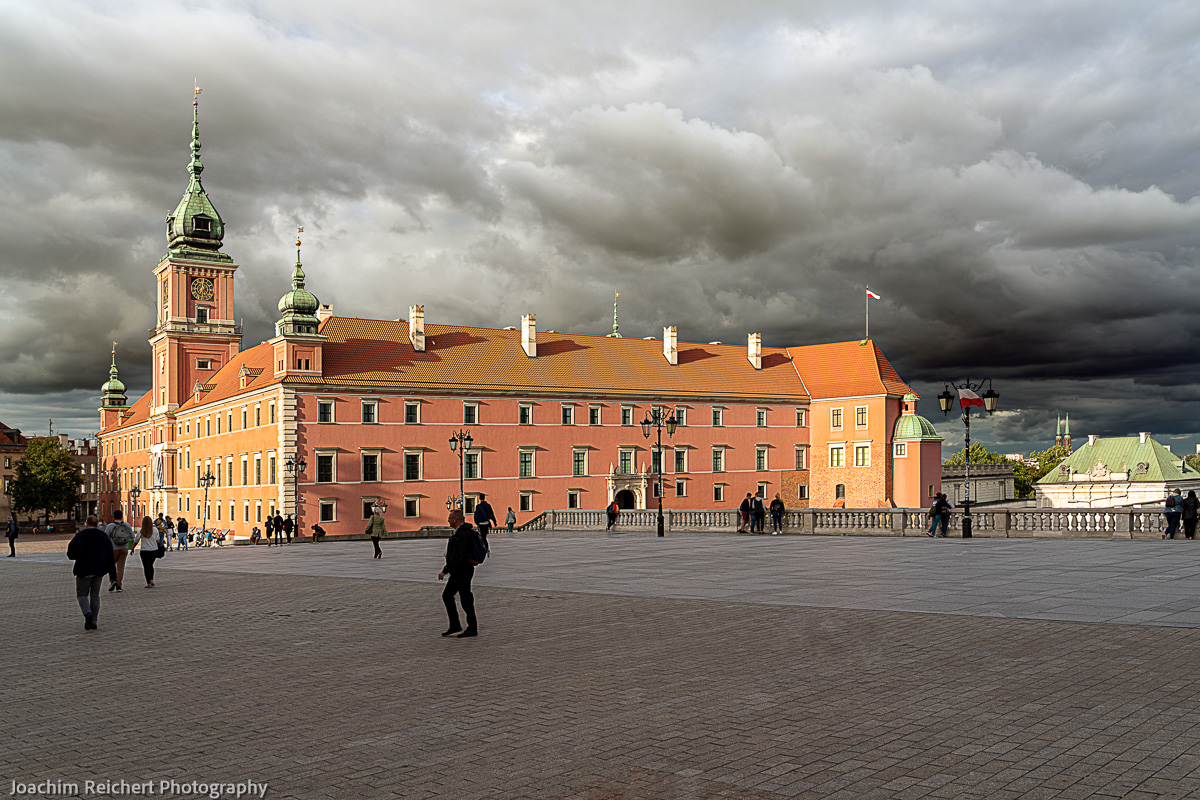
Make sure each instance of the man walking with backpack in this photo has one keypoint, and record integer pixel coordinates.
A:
(459, 551)
(121, 536)
(485, 518)
(92, 552)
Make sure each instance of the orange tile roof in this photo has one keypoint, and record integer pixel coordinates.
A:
(369, 352)
(486, 360)
(227, 382)
(847, 369)
(11, 436)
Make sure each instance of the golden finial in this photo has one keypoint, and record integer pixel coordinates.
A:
(198, 90)
(299, 230)
(618, 294)
(114, 350)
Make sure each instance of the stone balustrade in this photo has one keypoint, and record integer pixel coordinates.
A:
(1094, 523)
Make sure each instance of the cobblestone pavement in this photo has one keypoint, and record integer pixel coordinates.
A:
(321, 673)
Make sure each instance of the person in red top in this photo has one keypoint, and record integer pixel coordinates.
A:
(613, 510)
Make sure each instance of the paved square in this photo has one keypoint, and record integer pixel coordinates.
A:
(623, 667)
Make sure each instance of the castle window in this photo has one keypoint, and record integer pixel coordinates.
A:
(202, 224)
(839, 491)
(901, 449)
(201, 314)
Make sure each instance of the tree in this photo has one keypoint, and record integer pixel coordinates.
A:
(979, 455)
(1193, 461)
(1027, 476)
(46, 478)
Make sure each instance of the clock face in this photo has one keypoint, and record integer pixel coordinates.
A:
(202, 288)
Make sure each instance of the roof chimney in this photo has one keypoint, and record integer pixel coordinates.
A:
(671, 345)
(529, 334)
(324, 312)
(416, 327)
(1092, 439)
(754, 349)
(1143, 436)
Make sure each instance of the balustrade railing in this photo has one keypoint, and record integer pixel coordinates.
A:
(1105, 523)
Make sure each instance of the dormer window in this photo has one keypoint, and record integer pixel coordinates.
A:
(201, 225)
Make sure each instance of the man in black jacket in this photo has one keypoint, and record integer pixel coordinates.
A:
(458, 567)
(288, 527)
(92, 552)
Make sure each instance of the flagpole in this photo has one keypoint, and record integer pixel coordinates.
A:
(867, 301)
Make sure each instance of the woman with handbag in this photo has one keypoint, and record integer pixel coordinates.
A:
(151, 547)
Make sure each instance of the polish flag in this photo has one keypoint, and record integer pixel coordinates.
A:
(968, 398)
(872, 295)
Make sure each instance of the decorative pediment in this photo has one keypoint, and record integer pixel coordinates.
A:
(1099, 471)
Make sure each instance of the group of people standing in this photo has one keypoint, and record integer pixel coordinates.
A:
(1182, 509)
(279, 526)
(753, 514)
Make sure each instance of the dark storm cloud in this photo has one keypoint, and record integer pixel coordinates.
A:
(1018, 181)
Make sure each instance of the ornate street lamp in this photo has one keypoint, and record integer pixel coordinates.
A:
(133, 494)
(460, 442)
(379, 507)
(294, 467)
(206, 480)
(968, 396)
(656, 419)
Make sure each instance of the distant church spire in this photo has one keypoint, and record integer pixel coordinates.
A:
(616, 333)
(1066, 442)
(1058, 439)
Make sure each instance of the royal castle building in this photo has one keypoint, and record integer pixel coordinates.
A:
(367, 408)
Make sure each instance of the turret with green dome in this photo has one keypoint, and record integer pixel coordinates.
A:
(911, 427)
(113, 391)
(299, 306)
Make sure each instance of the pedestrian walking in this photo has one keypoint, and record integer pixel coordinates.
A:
(171, 534)
(268, 528)
(1191, 507)
(181, 530)
(744, 515)
(149, 547)
(485, 518)
(759, 507)
(121, 536)
(510, 519)
(92, 551)
(458, 566)
(278, 522)
(11, 533)
(376, 528)
(939, 514)
(288, 527)
(613, 511)
(777, 510)
(1174, 509)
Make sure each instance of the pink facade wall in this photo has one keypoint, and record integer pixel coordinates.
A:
(499, 438)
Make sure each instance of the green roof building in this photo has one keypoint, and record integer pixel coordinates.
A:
(1117, 471)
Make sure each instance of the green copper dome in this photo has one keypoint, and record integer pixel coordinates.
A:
(299, 306)
(113, 391)
(913, 427)
(195, 223)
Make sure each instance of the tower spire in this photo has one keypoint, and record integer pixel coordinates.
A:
(616, 333)
(299, 306)
(195, 168)
(195, 225)
(113, 392)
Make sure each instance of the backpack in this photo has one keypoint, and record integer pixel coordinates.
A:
(479, 548)
(121, 534)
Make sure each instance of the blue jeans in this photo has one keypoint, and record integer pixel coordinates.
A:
(1172, 525)
(942, 519)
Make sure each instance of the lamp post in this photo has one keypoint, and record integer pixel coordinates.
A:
(294, 467)
(206, 480)
(379, 507)
(656, 418)
(460, 442)
(968, 396)
(133, 496)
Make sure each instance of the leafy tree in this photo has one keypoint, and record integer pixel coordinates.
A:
(979, 455)
(1193, 461)
(1027, 476)
(46, 478)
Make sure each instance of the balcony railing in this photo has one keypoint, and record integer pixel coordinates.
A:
(1056, 523)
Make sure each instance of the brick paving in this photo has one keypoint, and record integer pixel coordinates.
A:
(336, 684)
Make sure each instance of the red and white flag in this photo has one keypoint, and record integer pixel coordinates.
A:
(968, 398)
(872, 295)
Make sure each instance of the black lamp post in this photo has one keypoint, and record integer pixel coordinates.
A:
(294, 467)
(379, 507)
(968, 396)
(460, 442)
(206, 480)
(133, 495)
(657, 418)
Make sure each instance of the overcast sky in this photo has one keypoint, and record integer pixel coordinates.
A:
(1018, 180)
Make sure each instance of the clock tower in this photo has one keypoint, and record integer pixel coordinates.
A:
(195, 334)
